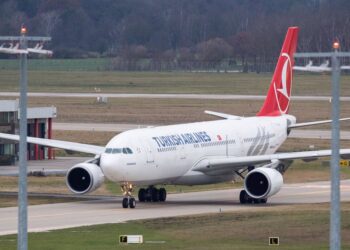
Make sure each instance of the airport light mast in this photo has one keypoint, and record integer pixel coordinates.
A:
(21, 49)
(335, 223)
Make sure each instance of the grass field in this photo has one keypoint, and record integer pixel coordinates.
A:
(89, 64)
(11, 201)
(164, 82)
(297, 226)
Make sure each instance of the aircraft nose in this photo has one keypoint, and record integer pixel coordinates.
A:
(112, 167)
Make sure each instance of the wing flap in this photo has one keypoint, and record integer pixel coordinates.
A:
(72, 146)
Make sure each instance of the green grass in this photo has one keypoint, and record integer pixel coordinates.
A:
(89, 64)
(11, 201)
(298, 227)
(163, 82)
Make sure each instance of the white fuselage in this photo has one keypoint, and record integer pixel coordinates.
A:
(167, 154)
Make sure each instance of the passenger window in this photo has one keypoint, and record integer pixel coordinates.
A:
(117, 150)
(125, 151)
(108, 150)
(129, 150)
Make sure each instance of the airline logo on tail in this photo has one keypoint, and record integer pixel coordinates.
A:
(278, 96)
(282, 84)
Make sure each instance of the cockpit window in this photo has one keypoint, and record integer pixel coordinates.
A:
(116, 151)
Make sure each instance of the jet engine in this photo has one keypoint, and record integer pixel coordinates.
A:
(263, 182)
(84, 177)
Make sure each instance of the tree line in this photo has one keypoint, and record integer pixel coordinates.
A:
(179, 31)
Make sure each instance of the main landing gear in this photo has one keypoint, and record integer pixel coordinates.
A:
(152, 194)
(128, 200)
(244, 198)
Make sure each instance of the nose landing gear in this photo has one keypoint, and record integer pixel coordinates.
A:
(128, 200)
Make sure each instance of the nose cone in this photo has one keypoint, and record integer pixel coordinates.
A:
(112, 167)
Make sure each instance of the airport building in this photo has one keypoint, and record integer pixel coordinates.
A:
(39, 125)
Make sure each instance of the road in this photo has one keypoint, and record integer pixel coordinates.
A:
(120, 127)
(74, 214)
(167, 96)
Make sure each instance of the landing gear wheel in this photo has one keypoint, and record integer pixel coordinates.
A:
(263, 201)
(128, 200)
(243, 197)
(132, 202)
(148, 195)
(142, 195)
(256, 201)
(162, 194)
(155, 195)
(125, 202)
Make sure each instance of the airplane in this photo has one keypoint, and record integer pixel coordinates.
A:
(324, 67)
(13, 49)
(39, 49)
(199, 153)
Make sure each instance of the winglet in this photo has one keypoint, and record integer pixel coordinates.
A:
(278, 95)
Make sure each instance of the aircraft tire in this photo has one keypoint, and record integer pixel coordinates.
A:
(132, 202)
(162, 194)
(142, 195)
(243, 197)
(256, 201)
(125, 202)
(155, 195)
(148, 195)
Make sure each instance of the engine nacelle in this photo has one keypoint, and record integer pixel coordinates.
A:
(84, 177)
(263, 182)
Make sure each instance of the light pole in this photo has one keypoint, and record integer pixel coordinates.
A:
(335, 230)
(335, 225)
(22, 241)
(22, 50)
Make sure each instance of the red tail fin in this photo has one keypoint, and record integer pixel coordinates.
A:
(278, 96)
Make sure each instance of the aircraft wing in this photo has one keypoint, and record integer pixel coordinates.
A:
(222, 164)
(223, 115)
(72, 146)
(301, 68)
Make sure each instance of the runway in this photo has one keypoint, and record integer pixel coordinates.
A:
(74, 214)
(120, 127)
(168, 96)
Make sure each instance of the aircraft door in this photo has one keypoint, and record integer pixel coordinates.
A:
(181, 152)
(148, 150)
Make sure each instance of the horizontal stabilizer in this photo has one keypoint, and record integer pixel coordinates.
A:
(223, 115)
(305, 124)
